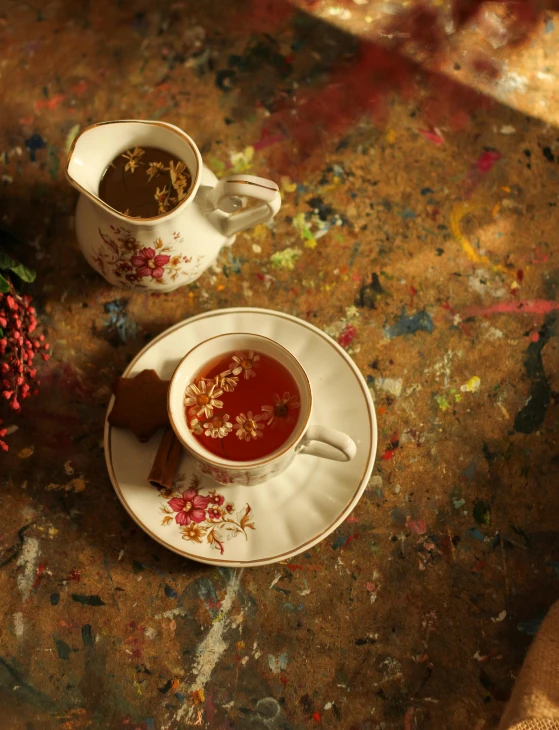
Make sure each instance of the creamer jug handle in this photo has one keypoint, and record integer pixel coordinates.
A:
(230, 194)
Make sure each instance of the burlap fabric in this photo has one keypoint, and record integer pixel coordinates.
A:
(534, 703)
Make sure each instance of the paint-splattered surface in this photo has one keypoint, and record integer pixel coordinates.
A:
(423, 241)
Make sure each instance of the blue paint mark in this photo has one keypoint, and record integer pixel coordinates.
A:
(476, 533)
(150, 723)
(339, 542)
(530, 627)
(170, 592)
(426, 191)
(555, 566)
(235, 263)
(408, 325)
(179, 696)
(34, 143)
(407, 215)
(118, 321)
(207, 593)
(288, 606)
(470, 471)
(549, 26)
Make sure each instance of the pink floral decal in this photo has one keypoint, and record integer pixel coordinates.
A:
(148, 264)
(121, 255)
(204, 517)
(189, 507)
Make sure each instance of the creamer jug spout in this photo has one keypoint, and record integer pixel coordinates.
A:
(91, 152)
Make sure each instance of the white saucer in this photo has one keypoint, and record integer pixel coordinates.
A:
(290, 513)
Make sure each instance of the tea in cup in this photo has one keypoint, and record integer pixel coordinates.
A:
(241, 406)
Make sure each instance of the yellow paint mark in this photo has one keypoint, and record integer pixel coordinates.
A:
(472, 386)
(390, 136)
(287, 185)
(26, 453)
(458, 212)
(496, 208)
(198, 696)
(75, 485)
(260, 232)
(220, 287)
(505, 188)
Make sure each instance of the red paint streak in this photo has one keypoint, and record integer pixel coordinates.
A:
(433, 136)
(534, 337)
(294, 566)
(26, 121)
(524, 306)
(520, 276)
(351, 538)
(413, 292)
(465, 329)
(417, 526)
(352, 519)
(388, 454)
(267, 139)
(80, 88)
(74, 575)
(40, 570)
(408, 717)
(316, 716)
(487, 160)
(51, 103)
(283, 680)
(347, 335)
(540, 258)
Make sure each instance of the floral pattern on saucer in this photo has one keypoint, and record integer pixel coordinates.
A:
(203, 517)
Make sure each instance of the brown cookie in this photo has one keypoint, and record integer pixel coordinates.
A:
(140, 404)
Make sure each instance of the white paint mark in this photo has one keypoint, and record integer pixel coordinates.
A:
(328, 705)
(150, 633)
(19, 625)
(28, 561)
(173, 612)
(501, 617)
(121, 555)
(279, 663)
(493, 334)
(257, 248)
(210, 650)
(276, 578)
(507, 129)
(375, 483)
(390, 385)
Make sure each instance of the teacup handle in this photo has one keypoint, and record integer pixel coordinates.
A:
(328, 444)
(227, 196)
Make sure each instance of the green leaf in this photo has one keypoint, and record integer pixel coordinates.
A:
(24, 273)
(4, 286)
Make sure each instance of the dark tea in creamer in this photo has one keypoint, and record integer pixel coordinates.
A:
(145, 182)
(242, 406)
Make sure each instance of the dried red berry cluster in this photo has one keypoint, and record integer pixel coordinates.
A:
(18, 349)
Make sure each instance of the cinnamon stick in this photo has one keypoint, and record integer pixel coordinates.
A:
(166, 460)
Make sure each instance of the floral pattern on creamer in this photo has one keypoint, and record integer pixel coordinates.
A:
(202, 518)
(135, 264)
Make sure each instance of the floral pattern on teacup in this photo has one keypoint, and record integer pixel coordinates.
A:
(132, 263)
(204, 517)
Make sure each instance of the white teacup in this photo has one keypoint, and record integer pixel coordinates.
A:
(308, 439)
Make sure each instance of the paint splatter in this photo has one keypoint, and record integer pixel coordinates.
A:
(531, 416)
(410, 324)
(62, 648)
(393, 386)
(278, 664)
(534, 306)
(482, 513)
(417, 526)
(369, 293)
(472, 385)
(347, 336)
(34, 143)
(434, 135)
(119, 328)
(27, 561)
(242, 161)
(285, 259)
(87, 600)
(458, 212)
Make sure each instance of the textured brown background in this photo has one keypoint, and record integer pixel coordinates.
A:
(417, 612)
